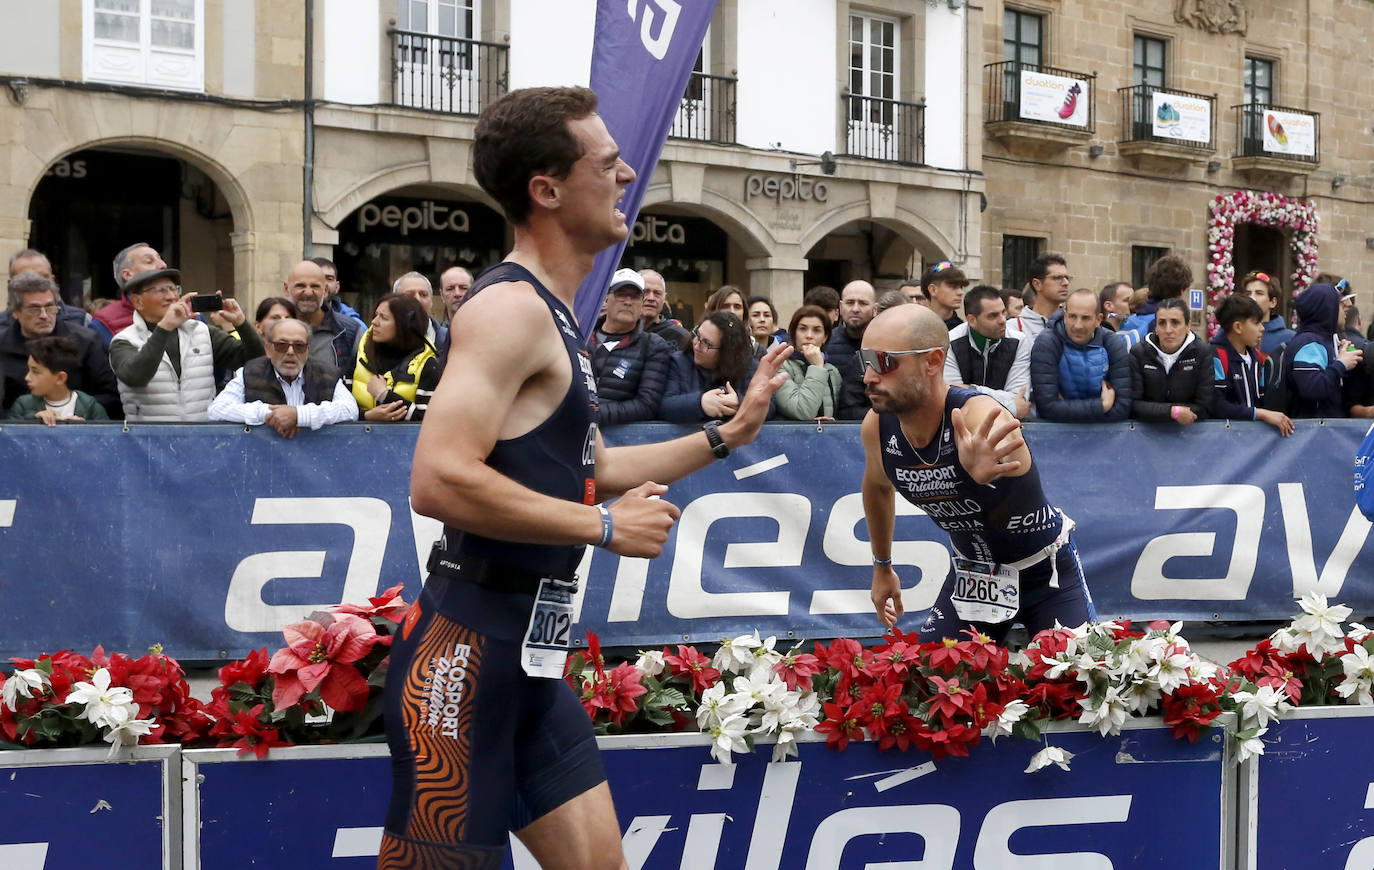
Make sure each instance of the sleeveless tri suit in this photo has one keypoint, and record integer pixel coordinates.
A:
(478, 748)
(1014, 559)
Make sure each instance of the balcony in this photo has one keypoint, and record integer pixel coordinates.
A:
(1276, 140)
(1166, 125)
(1041, 106)
(707, 112)
(444, 74)
(882, 129)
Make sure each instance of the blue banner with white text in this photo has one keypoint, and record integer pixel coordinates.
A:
(642, 56)
(208, 538)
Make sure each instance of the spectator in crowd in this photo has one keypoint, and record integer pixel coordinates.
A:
(417, 287)
(333, 299)
(826, 299)
(763, 324)
(1011, 298)
(890, 299)
(332, 335)
(1171, 370)
(703, 375)
(1350, 312)
(33, 308)
(285, 389)
(911, 289)
(857, 309)
(454, 284)
(51, 398)
(652, 316)
(985, 355)
(1139, 298)
(396, 368)
(29, 260)
(1080, 373)
(631, 363)
(1266, 293)
(1116, 304)
(1315, 365)
(812, 390)
(272, 309)
(1049, 283)
(1238, 369)
(728, 298)
(165, 360)
(134, 260)
(1167, 278)
(944, 285)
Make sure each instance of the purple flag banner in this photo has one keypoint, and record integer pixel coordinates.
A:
(641, 59)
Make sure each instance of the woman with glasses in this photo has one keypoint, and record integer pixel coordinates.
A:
(813, 385)
(397, 369)
(715, 359)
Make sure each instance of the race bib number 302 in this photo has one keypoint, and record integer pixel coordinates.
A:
(985, 592)
(545, 648)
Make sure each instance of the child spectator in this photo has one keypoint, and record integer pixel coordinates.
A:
(1239, 367)
(51, 362)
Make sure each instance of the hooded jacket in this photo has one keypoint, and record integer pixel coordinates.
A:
(1155, 392)
(1276, 332)
(1237, 386)
(1066, 377)
(1315, 373)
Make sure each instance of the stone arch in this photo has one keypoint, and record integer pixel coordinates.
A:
(389, 179)
(240, 206)
(924, 236)
(742, 225)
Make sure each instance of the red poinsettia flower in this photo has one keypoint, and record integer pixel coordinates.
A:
(321, 655)
(901, 730)
(1280, 676)
(947, 654)
(895, 660)
(253, 734)
(840, 726)
(1189, 708)
(879, 705)
(250, 670)
(388, 606)
(594, 656)
(616, 695)
(844, 655)
(950, 698)
(796, 670)
(693, 665)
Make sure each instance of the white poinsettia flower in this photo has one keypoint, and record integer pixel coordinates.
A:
(1249, 748)
(760, 686)
(1359, 677)
(1108, 716)
(23, 683)
(1319, 626)
(1014, 712)
(1358, 632)
(1173, 670)
(650, 662)
(1050, 755)
(728, 736)
(128, 733)
(717, 705)
(1141, 694)
(105, 705)
(736, 654)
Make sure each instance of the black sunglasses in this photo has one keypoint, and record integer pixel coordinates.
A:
(886, 361)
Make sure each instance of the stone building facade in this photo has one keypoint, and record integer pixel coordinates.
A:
(1123, 188)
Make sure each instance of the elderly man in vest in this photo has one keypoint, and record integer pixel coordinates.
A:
(165, 360)
(285, 389)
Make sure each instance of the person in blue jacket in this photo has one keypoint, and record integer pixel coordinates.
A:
(703, 377)
(1262, 288)
(1315, 363)
(1080, 371)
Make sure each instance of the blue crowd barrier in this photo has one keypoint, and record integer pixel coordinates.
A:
(209, 538)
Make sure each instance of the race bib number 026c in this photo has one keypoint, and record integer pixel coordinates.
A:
(985, 592)
(545, 649)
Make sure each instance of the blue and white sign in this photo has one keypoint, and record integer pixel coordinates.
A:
(71, 809)
(1308, 801)
(209, 539)
(1195, 300)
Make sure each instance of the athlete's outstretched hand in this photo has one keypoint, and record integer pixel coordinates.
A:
(984, 453)
(887, 595)
(642, 521)
(753, 405)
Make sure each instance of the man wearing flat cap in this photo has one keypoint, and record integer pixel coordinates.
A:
(165, 360)
(631, 363)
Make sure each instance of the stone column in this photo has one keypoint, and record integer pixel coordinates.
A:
(247, 290)
(781, 279)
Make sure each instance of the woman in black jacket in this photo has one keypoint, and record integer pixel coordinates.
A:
(1171, 370)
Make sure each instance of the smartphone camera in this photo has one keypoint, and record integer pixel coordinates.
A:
(207, 302)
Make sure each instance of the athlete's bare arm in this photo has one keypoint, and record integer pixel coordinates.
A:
(620, 468)
(989, 440)
(880, 511)
(507, 372)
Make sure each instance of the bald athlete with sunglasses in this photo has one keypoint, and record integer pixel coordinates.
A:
(959, 456)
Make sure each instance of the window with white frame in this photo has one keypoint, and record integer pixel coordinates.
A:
(873, 71)
(158, 43)
(453, 18)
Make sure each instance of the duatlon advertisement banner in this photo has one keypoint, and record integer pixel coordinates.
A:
(1175, 116)
(1289, 133)
(208, 539)
(1056, 99)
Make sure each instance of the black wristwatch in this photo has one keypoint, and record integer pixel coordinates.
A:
(712, 430)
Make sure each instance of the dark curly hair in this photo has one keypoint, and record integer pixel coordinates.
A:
(525, 133)
(736, 348)
(1168, 277)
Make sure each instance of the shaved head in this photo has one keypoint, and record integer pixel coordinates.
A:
(907, 327)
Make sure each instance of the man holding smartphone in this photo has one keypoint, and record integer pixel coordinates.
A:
(165, 360)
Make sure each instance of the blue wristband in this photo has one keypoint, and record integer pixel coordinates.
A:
(607, 525)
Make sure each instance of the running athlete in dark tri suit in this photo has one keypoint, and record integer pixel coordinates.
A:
(485, 736)
(959, 456)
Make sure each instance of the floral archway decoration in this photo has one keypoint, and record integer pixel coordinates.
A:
(1299, 216)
